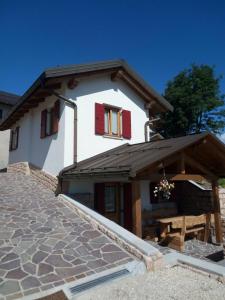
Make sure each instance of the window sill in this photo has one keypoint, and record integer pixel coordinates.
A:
(112, 137)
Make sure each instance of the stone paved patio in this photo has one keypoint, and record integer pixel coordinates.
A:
(43, 244)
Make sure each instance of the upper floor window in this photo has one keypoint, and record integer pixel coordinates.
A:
(50, 120)
(112, 121)
(14, 139)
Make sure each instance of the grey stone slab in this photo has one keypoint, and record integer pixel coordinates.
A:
(16, 274)
(39, 256)
(9, 287)
(50, 278)
(10, 265)
(114, 256)
(30, 282)
(30, 268)
(44, 269)
(9, 257)
(58, 261)
(68, 272)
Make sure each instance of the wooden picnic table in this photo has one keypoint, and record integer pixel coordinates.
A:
(183, 222)
(165, 224)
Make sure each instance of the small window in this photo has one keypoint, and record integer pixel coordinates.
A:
(50, 120)
(1, 114)
(112, 121)
(14, 138)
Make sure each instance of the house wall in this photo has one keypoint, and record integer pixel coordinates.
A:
(4, 139)
(47, 153)
(53, 153)
(4, 148)
(101, 90)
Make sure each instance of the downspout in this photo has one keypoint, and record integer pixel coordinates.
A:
(148, 124)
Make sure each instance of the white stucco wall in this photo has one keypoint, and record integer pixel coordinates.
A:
(54, 153)
(47, 153)
(4, 148)
(103, 90)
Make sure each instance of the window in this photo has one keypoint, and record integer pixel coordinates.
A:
(50, 120)
(1, 113)
(14, 138)
(110, 198)
(112, 121)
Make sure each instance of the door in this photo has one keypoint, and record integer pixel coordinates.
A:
(107, 200)
(112, 202)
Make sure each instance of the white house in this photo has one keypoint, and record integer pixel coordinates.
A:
(7, 101)
(75, 112)
(89, 125)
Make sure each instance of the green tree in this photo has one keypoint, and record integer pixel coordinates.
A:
(222, 182)
(197, 101)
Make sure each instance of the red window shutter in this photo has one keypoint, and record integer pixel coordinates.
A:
(99, 201)
(43, 123)
(126, 124)
(153, 199)
(99, 119)
(127, 194)
(55, 117)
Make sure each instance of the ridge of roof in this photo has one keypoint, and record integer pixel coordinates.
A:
(68, 70)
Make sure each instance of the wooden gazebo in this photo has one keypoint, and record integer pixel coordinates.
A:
(192, 157)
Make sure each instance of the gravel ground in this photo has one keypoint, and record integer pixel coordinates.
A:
(175, 283)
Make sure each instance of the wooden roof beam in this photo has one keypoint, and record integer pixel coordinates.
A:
(121, 75)
(194, 163)
(72, 83)
(54, 86)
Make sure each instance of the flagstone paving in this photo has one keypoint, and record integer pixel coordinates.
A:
(43, 243)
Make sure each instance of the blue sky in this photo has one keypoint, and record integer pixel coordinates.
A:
(158, 38)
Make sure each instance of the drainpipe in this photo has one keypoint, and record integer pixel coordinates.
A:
(149, 123)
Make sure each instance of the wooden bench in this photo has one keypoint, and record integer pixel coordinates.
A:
(150, 225)
(182, 226)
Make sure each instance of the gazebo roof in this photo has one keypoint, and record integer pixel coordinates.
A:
(204, 153)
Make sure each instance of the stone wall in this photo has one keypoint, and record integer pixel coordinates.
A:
(20, 167)
(40, 176)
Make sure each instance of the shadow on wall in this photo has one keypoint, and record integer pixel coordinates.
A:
(47, 152)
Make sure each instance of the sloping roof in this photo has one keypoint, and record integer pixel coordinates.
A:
(131, 159)
(43, 83)
(106, 65)
(8, 98)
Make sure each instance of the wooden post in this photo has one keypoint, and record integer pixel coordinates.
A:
(217, 215)
(136, 207)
